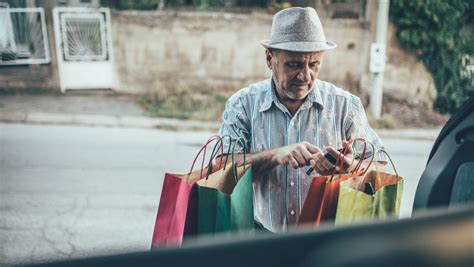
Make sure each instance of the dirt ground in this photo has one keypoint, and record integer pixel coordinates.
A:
(401, 114)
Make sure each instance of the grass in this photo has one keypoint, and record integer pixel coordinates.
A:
(184, 104)
(386, 121)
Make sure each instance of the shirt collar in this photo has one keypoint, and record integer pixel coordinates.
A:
(270, 97)
(314, 97)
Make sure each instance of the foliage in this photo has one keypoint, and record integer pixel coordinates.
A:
(432, 29)
(137, 4)
(16, 3)
(271, 5)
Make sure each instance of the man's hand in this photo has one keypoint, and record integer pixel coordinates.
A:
(324, 167)
(296, 155)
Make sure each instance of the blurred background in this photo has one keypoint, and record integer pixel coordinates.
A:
(200, 52)
(98, 99)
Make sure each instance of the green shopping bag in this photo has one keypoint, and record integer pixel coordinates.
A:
(377, 194)
(225, 203)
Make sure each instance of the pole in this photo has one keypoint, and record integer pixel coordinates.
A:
(376, 93)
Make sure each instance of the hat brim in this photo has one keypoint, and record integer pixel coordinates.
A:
(300, 46)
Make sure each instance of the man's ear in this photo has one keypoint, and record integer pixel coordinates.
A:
(269, 56)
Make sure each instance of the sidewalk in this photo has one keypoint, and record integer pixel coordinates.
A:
(91, 110)
(122, 111)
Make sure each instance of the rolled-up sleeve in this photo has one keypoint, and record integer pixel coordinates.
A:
(357, 126)
(236, 124)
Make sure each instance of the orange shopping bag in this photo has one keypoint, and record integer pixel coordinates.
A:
(321, 200)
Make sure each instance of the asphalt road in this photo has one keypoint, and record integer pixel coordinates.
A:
(68, 191)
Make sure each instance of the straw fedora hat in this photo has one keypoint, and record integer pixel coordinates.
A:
(297, 29)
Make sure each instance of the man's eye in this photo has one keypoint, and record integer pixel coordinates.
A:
(314, 65)
(293, 64)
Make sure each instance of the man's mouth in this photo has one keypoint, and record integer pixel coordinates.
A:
(300, 85)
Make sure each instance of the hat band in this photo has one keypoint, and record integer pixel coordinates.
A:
(292, 42)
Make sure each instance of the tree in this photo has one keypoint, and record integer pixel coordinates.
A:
(432, 30)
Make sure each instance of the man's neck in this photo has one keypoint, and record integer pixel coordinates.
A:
(291, 104)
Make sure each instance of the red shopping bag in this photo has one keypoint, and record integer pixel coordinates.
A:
(321, 200)
(177, 210)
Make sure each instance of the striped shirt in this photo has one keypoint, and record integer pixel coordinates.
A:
(328, 116)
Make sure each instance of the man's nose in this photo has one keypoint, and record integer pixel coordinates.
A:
(304, 74)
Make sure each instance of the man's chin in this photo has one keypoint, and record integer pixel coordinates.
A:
(297, 96)
(300, 95)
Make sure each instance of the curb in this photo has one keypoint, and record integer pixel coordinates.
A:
(107, 121)
(169, 124)
(418, 134)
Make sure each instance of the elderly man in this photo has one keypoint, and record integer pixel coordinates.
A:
(289, 121)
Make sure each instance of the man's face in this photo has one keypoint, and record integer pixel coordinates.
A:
(294, 73)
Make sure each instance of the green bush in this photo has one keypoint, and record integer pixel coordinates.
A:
(432, 29)
(15, 3)
(137, 4)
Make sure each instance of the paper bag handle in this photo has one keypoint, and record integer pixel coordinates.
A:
(234, 166)
(362, 158)
(203, 149)
(339, 160)
(389, 158)
(214, 153)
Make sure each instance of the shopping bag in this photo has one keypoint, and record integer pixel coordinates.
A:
(377, 194)
(174, 206)
(225, 203)
(321, 200)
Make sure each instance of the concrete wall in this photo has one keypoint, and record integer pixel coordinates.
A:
(169, 50)
(156, 50)
(165, 49)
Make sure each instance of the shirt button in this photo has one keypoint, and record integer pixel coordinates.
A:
(292, 183)
(292, 212)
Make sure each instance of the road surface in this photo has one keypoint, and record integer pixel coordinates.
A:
(68, 191)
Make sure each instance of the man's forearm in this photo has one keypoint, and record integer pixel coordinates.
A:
(295, 155)
(261, 162)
